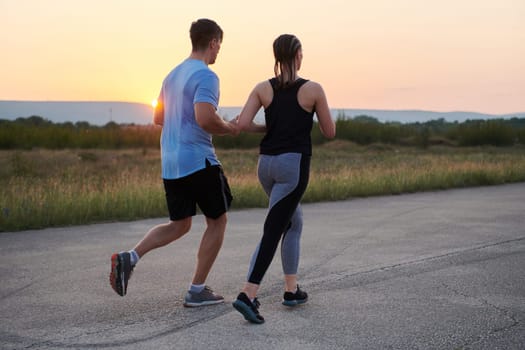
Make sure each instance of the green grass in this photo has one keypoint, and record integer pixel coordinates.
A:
(43, 188)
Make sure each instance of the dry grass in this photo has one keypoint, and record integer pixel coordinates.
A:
(43, 188)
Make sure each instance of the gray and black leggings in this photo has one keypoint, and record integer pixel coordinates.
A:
(284, 178)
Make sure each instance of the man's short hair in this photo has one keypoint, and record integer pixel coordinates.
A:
(202, 31)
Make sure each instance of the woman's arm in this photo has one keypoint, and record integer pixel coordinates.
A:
(248, 112)
(326, 123)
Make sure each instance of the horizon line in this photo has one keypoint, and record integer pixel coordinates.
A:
(240, 106)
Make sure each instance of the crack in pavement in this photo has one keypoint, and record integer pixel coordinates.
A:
(441, 259)
(337, 281)
(35, 343)
(514, 322)
(380, 223)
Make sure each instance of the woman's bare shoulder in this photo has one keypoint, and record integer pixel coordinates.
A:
(312, 89)
(313, 85)
(264, 92)
(263, 85)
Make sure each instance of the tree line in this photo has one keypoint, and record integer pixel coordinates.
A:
(38, 132)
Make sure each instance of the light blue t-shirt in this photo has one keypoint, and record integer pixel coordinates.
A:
(185, 146)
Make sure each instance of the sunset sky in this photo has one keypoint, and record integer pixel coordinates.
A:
(444, 55)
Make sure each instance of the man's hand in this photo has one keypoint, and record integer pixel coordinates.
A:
(234, 123)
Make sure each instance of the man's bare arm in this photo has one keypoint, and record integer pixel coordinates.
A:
(209, 120)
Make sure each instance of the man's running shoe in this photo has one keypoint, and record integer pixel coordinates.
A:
(294, 299)
(121, 270)
(205, 297)
(249, 310)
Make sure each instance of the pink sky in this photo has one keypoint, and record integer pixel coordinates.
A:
(380, 54)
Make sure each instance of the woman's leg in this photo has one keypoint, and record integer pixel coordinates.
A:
(290, 250)
(289, 173)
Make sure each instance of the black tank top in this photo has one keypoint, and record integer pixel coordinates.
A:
(288, 125)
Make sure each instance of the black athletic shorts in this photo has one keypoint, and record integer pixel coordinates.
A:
(208, 188)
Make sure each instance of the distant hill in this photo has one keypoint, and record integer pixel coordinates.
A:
(100, 113)
(95, 113)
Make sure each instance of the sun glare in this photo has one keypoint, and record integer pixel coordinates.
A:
(154, 103)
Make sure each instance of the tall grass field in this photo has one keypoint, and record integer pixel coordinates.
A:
(45, 188)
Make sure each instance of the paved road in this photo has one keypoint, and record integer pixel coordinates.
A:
(438, 270)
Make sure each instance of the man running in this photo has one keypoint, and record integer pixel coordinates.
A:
(191, 171)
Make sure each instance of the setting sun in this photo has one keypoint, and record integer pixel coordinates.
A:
(154, 103)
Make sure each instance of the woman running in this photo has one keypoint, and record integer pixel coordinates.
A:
(284, 165)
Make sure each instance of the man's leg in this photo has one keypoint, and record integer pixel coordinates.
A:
(213, 196)
(209, 248)
(199, 294)
(122, 263)
(162, 235)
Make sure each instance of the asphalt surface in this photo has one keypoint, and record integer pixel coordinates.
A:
(435, 270)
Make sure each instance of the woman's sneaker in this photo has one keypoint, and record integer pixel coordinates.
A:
(294, 299)
(249, 310)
